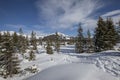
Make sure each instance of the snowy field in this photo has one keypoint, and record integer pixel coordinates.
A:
(67, 65)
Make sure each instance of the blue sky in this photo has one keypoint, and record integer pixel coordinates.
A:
(49, 16)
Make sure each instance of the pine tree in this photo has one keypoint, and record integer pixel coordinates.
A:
(33, 40)
(15, 39)
(24, 45)
(27, 41)
(89, 42)
(105, 35)
(0, 37)
(79, 41)
(0, 43)
(31, 55)
(11, 62)
(57, 42)
(99, 36)
(20, 41)
(111, 34)
(20, 31)
(40, 41)
(49, 48)
(118, 31)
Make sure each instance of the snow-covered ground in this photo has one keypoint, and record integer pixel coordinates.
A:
(73, 71)
(67, 65)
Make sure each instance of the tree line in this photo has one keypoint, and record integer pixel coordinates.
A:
(105, 37)
(10, 45)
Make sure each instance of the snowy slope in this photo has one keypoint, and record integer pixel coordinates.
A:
(100, 66)
(38, 35)
(95, 66)
(73, 71)
(29, 36)
(62, 35)
(11, 32)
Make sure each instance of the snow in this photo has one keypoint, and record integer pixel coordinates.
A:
(67, 65)
(72, 71)
(60, 34)
(25, 35)
(11, 32)
(38, 36)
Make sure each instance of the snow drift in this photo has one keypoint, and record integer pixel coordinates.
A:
(73, 71)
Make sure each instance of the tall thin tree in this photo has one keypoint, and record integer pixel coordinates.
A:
(80, 40)
(99, 36)
(57, 42)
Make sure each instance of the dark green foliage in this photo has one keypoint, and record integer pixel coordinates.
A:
(15, 38)
(100, 35)
(33, 40)
(40, 41)
(27, 41)
(10, 60)
(111, 34)
(22, 45)
(105, 35)
(20, 31)
(0, 38)
(57, 43)
(10, 45)
(89, 43)
(79, 41)
(118, 31)
(31, 55)
(49, 49)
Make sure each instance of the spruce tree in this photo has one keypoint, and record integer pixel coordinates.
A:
(27, 41)
(57, 42)
(40, 41)
(31, 55)
(15, 39)
(0, 37)
(20, 31)
(111, 34)
(105, 35)
(89, 42)
(11, 62)
(49, 49)
(33, 40)
(99, 36)
(20, 41)
(24, 45)
(79, 41)
(118, 31)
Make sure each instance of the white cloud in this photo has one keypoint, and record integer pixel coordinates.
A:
(65, 13)
(116, 18)
(115, 15)
(112, 13)
(16, 26)
(89, 24)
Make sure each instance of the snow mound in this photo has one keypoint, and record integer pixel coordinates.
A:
(72, 71)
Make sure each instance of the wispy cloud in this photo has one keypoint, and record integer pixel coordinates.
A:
(66, 13)
(115, 15)
(112, 13)
(15, 26)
